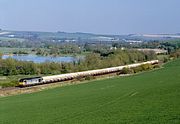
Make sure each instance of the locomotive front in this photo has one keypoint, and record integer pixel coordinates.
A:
(30, 81)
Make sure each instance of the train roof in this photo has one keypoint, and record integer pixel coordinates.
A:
(29, 78)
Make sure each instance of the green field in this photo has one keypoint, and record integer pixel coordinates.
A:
(148, 98)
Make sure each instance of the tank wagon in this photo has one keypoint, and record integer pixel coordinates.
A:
(64, 77)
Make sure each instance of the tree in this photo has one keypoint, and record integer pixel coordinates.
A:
(1, 55)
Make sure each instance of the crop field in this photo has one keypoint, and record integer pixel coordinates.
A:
(150, 97)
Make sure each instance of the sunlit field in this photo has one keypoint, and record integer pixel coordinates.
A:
(150, 97)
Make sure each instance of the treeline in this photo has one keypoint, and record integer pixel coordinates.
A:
(170, 46)
(91, 61)
(175, 54)
(57, 50)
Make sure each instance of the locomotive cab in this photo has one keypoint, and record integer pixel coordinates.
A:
(30, 81)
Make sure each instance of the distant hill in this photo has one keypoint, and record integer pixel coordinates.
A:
(84, 36)
(48, 35)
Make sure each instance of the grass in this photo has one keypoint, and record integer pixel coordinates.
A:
(6, 81)
(151, 97)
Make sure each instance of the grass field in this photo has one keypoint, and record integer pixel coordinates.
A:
(148, 98)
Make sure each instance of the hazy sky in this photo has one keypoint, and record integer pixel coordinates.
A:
(96, 16)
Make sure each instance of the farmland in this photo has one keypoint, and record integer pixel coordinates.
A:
(150, 97)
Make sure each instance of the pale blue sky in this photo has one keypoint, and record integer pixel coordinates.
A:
(95, 16)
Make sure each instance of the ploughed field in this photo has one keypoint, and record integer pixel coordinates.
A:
(150, 97)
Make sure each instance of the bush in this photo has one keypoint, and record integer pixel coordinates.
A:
(156, 66)
(146, 67)
(137, 69)
(79, 78)
(126, 71)
(165, 59)
(9, 84)
(175, 54)
(89, 77)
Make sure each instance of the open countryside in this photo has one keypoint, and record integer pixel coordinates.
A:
(150, 97)
(89, 62)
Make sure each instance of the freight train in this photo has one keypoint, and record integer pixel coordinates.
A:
(64, 77)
